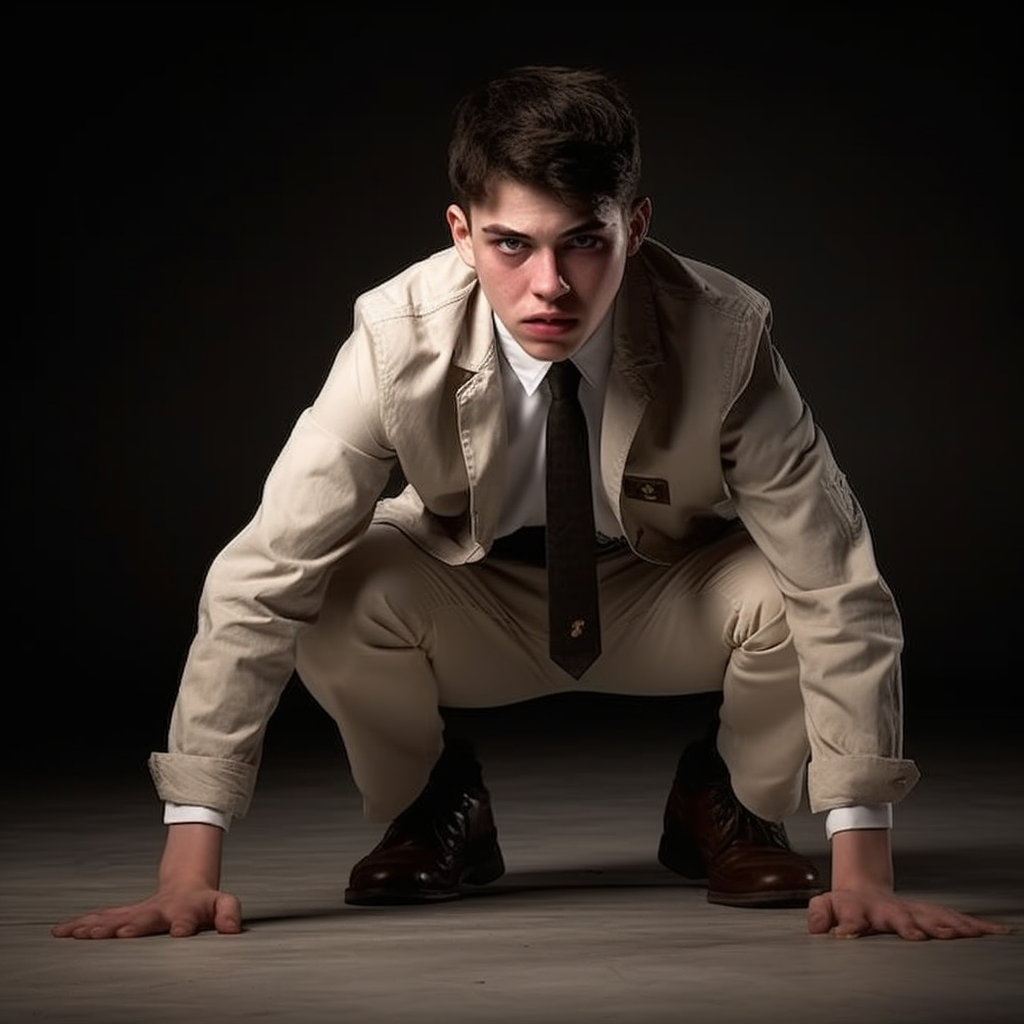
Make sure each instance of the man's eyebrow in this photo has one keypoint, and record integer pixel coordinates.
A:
(595, 224)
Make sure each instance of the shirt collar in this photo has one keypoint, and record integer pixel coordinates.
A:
(593, 358)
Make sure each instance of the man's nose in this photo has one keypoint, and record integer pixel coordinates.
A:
(548, 281)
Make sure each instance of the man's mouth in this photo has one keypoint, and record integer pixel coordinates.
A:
(549, 328)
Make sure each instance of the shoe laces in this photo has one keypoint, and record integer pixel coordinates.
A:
(731, 816)
(442, 807)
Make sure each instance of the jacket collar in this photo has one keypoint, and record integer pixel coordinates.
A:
(637, 354)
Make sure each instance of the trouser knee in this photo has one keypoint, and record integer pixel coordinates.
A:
(757, 620)
(375, 598)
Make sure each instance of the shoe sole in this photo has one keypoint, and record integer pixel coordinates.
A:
(751, 900)
(488, 870)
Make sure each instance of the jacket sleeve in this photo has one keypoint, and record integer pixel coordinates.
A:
(801, 512)
(269, 581)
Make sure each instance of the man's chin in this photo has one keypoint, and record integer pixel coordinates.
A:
(550, 351)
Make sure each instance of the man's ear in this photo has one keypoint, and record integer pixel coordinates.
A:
(462, 236)
(639, 223)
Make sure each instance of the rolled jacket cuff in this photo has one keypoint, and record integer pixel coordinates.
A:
(856, 779)
(224, 786)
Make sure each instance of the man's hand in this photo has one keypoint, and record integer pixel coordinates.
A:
(862, 900)
(178, 912)
(188, 899)
(851, 913)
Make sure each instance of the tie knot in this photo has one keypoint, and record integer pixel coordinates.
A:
(564, 379)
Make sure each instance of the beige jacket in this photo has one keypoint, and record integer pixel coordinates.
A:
(702, 423)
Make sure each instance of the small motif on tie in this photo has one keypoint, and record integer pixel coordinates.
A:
(577, 627)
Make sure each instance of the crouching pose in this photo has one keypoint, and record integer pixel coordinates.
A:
(612, 484)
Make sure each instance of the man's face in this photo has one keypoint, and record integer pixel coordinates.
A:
(550, 271)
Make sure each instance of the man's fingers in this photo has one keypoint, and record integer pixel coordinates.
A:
(820, 915)
(146, 918)
(847, 915)
(903, 923)
(89, 926)
(183, 927)
(81, 927)
(834, 916)
(227, 914)
(941, 923)
(852, 925)
(143, 921)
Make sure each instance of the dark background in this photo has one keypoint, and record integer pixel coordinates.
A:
(201, 190)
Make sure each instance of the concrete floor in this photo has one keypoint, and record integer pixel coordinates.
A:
(585, 926)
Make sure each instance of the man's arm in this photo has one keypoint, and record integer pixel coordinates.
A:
(862, 900)
(801, 512)
(188, 898)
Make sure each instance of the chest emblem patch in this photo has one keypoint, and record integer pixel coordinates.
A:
(646, 488)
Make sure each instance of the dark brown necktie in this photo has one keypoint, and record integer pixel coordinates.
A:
(573, 616)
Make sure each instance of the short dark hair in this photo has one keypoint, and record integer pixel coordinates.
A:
(570, 132)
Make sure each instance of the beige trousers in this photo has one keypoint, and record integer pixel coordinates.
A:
(402, 634)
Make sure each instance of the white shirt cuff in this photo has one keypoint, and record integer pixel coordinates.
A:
(184, 814)
(842, 819)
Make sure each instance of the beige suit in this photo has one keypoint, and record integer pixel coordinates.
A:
(706, 445)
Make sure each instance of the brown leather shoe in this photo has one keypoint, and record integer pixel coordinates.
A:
(446, 838)
(708, 833)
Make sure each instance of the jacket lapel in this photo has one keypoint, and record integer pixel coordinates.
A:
(636, 361)
(480, 413)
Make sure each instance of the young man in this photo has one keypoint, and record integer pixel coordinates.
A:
(728, 551)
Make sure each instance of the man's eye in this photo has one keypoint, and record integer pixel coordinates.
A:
(584, 241)
(510, 245)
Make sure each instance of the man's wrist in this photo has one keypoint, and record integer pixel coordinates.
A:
(862, 859)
